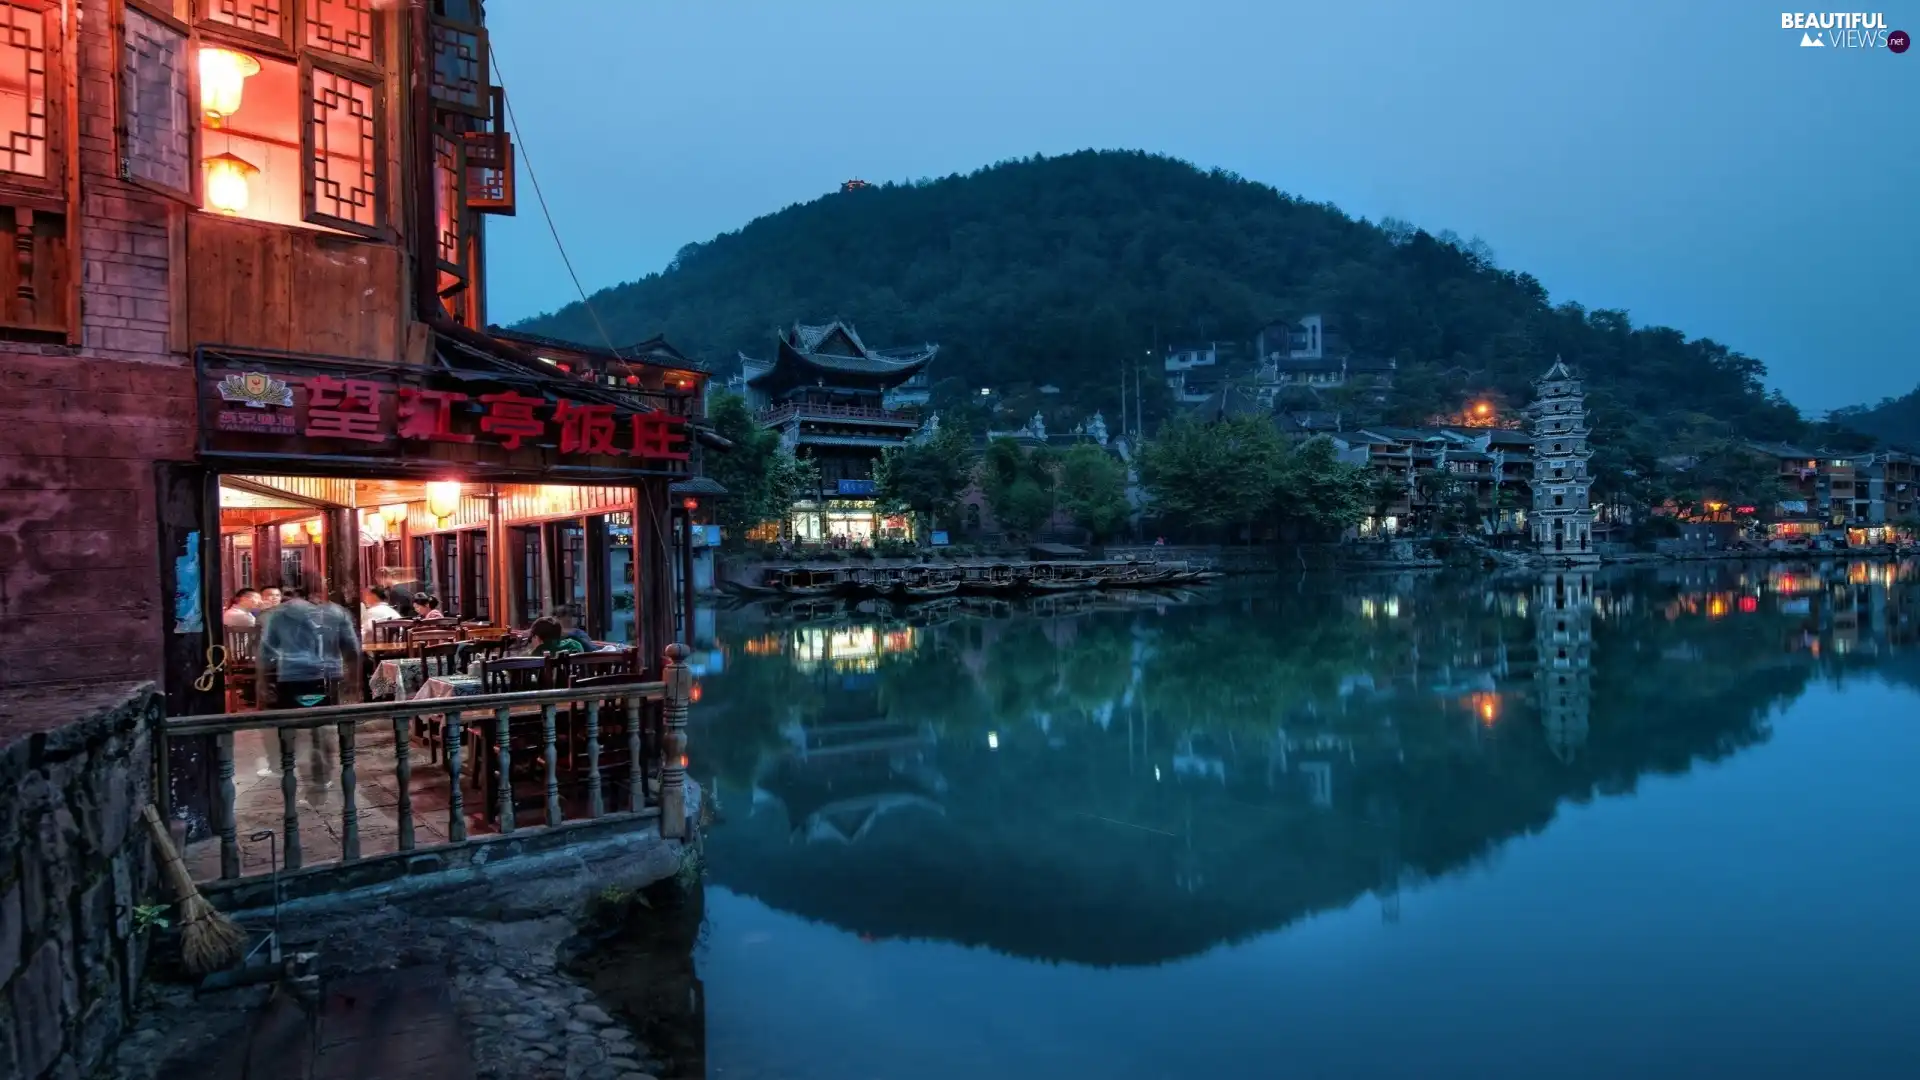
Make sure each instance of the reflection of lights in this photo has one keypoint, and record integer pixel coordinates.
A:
(1371, 608)
(993, 740)
(693, 694)
(1716, 606)
(1156, 772)
(1749, 605)
(1487, 711)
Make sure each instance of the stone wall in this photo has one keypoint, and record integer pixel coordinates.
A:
(74, 861)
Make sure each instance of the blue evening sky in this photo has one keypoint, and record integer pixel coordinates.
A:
(1683, 159)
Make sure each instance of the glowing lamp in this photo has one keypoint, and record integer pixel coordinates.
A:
(290, 534)
(373, 526)
(314, 528)
(633, 380)
(227, 177)
(1482, 409)
(394, 514)
(693, 693)
(691, 504)
(223, 77)
(443, 498)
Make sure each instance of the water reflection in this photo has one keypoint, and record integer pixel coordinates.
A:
(1128, 787)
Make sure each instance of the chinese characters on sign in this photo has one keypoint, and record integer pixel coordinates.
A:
(357, 410)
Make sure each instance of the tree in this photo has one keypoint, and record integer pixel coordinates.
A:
(1093, 490)
(1317, 491)
(926, 478)
(1208, 476)
(1019, 485)
(762, 479)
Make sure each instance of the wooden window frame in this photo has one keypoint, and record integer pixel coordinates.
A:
(194, 194)
(456, 208)
(282, 47)
(378, 32)
(50, 193)
(380, 228)
(492, 146)
(483, 77)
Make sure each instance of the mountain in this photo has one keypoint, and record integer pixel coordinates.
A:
(1058, 270)
(1894, 420)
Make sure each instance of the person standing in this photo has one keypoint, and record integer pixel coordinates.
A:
(306, 645)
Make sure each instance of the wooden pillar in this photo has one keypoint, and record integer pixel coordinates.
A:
(598, 581)
(685, 536)
(341, 556)
(266, 557)
(187, 511)
(499, 581)
(673, 764)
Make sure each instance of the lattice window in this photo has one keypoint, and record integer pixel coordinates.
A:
(344, 28)
(448, 205)
(458, 79)
(158, 117)
(342, 150)
(490, 163)
(265, 18)
(28, 38)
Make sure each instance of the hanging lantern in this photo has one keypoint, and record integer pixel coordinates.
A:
(394, 514)
(314, 528)
(373, 526)
(690, 504)
(290, 534)
(223, 77)
(227, 182)
(443, 498)
(633, 380)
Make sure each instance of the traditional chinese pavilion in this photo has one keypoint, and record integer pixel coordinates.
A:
(246, 326)
(825, 392)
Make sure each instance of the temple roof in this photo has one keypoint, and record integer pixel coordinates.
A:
(834, 352)
(1559, 371)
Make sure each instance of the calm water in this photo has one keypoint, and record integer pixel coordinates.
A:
(1656, 824)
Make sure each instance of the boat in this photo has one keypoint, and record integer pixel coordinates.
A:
(741, 588)
(807, 581)
(1135, 576)
(927, 583)
(1063, 577)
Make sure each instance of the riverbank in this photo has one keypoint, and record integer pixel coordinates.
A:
(479, 967)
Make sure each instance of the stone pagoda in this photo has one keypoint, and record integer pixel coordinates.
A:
(1563, 675)
(1562, 514)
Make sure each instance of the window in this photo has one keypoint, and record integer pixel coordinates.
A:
(269, 110)
(30, 36)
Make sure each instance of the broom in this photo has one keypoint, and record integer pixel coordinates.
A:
(209, 941)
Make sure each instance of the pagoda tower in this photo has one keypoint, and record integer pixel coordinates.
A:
(1563, 675)
(1562, 515)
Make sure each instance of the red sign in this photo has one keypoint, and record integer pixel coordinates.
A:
(372, 410)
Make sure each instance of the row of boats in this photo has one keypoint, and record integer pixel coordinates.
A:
(933, 581)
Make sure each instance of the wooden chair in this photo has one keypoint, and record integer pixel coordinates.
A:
(243, 647)
(437, 658)
(447, 623)
(615, 755)
(391, 631)
(508, 675)
(572, 667)
(417, 637)
(515, 674)
(482, 649)
(486, 632)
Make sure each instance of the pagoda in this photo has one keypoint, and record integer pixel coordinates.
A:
(1562, 515)
(1563, 676)
(825, 392)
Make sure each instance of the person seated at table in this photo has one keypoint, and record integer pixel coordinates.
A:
(270, 598)
(568, 616)
(426, 606)
(550, 640)
(239, 614)
(374, 608)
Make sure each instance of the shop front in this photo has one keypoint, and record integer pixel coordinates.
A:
(496, 497)
(846, 523)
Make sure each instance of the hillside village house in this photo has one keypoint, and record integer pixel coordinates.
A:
(1871, 498)
(1307, 354)
(826, 393)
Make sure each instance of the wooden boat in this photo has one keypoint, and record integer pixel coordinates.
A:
(1135, 576)
(927, 583)
(1063, 577)
(741, 588)
(995, 580)
(806, 581)
(870, 582)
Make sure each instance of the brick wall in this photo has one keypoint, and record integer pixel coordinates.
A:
(79, 572)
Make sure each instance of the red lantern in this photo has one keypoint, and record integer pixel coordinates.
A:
(564, 368)
(633, 380)
(690, 504)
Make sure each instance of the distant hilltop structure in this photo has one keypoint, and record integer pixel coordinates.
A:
(854, 185)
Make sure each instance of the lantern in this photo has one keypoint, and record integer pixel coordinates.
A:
(394, 514)
(223, 77)
(443, 498)
(290, 534)
(314, 528)
(373, 526)
(633, 380)
(691, 504)
(227, 176)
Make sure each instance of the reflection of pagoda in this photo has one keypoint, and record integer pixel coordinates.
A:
(1563, 631)
(847, 770)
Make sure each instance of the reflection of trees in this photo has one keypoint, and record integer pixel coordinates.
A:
(1084, 842)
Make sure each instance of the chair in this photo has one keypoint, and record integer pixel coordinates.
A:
(509, 675)
(488, 650)
(515, 674)
(615, 759)
(445, 622)
(243, 646)
(437, 658)
(572, 667)
(486, 632)
(417, 636)
(391, 631)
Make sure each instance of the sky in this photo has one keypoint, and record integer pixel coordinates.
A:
(1685, 160)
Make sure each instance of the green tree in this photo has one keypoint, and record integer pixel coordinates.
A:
(1019, 485)
(926, 478)
(1317, 491)
(762, 479)
(1093, 490)
(1209, 476)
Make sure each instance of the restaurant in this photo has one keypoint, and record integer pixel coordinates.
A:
(502, 493)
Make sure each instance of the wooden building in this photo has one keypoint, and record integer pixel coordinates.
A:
(825, 392)
(243, 337)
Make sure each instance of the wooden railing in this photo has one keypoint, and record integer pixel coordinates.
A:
(789, 410)
(655, 722)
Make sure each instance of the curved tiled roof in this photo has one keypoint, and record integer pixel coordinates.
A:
(796, 360)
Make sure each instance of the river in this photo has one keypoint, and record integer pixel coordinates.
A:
(1650, 823)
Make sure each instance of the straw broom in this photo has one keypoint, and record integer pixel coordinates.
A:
(209, 941)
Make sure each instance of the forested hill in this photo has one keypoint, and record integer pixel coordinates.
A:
(1056, 269)
(1894, 420)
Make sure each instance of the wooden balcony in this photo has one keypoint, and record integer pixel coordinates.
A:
(324, 789)
(800, 410)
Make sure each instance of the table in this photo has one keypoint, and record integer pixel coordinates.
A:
(397, 679)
